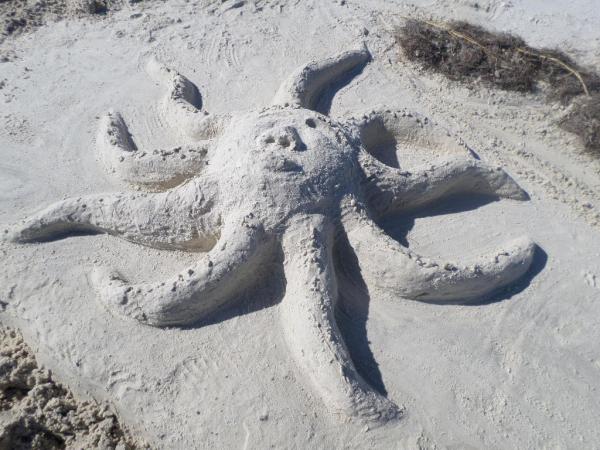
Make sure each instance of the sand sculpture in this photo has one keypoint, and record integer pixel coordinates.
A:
(285, 179)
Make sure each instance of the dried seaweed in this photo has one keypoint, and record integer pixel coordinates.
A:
(467, 53)
(584, 121)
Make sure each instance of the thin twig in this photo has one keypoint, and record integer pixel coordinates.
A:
(455, 33)
(560, 63)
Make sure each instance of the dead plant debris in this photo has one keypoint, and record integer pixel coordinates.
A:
(584, 121)
(466, 52)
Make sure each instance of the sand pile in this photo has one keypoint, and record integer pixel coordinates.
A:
(38, 413)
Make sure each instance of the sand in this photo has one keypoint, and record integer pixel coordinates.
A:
(517, 371)
(38, 413)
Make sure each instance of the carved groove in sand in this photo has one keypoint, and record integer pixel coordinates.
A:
(245, 185)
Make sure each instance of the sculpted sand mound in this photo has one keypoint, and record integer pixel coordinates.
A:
(325, 247)
(290, 178)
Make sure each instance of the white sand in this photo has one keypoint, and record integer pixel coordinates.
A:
(38, 413)
(518, 373)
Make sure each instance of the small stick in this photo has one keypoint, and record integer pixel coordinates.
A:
(458, 34)
(560, 63)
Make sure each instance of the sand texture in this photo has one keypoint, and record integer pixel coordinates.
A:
(37, 413)
(238, 230)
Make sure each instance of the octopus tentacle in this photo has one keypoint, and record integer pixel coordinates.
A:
(198, 290)
(182, 105)
(390, 190)
(306, 84)
(158, 169)
(309, 323)
(384, 133)
(177, 219)
(391, 267)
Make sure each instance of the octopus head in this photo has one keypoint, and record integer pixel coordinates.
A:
(289, 157)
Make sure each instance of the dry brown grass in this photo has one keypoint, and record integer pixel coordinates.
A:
(584, 121)
(468, 53)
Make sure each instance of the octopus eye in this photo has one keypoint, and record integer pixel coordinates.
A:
(284, 141)
(311, 123)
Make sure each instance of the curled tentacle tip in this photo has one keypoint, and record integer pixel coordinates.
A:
(22, 233)
(384, 413)
(117, 296)
(507, 187)
(390, 413)
(158, 71)
(521, 195)
(524, 247)
(103, 278)
(513, 191)
(11, 234)
(513, 261)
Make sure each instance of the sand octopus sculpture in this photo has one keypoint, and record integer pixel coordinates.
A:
(285, 179)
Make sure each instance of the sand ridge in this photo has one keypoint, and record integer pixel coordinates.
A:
(37, 413)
